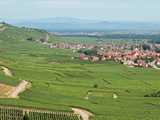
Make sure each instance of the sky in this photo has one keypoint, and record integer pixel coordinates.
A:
(110, 10)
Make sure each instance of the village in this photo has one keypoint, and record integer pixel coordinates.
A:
(135, 57)
(141, 54)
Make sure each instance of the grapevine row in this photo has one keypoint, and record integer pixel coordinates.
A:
(10, 113)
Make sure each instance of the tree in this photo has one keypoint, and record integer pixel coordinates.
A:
(30, 39)
(157, 50)
(42, 40)
(146, 47)
(95, 86)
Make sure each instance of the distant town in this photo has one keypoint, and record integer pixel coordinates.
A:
(145, 54)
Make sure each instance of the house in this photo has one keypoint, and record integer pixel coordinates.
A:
(94, 58)
(158, 62)
(84, 57)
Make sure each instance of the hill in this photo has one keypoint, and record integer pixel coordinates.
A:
(76, 24)
(59, 83)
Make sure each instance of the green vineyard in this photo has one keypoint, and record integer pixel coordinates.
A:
(10, 113)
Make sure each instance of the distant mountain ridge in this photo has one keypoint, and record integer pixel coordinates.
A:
(75, 24)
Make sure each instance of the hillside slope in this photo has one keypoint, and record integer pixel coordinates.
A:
(60, 83)
(76, 24)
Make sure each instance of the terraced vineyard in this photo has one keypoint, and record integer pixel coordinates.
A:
(10, 113)
(53, 116)
(60, 83)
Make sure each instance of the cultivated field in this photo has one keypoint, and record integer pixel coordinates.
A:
(108, 90)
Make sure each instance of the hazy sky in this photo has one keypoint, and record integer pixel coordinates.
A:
(111, 10)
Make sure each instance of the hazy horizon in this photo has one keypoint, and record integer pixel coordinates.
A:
(105, 10)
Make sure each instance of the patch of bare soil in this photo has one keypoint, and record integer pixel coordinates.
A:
(6, 71)
(7, 91)
(83, 113)
(20, 88)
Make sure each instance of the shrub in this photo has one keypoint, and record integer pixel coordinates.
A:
(92, 52)
(154, 94)
(30, 39)
(95, 86)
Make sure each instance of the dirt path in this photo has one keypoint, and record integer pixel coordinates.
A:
(19, 89)
(6, 71)
(83, 113)
(5, 90)
(154, 66)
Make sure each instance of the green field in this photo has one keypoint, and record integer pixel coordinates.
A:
(60, 83)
